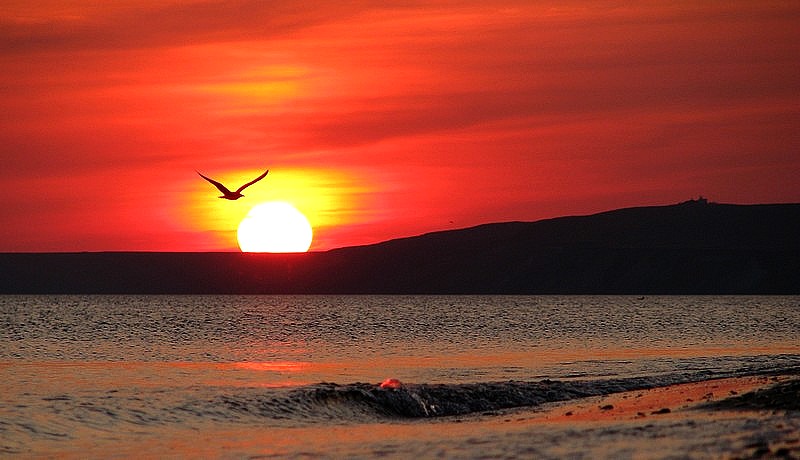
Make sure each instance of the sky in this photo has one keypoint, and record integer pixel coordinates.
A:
(380, 120)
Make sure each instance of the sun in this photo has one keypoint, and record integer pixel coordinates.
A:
(274, 226)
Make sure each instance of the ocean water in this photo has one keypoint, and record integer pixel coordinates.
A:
(298, 376)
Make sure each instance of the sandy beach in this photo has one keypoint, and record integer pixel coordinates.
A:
(673, 401)
(744, 417)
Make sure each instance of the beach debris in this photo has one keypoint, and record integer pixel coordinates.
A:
(664, 410)
(392, 384)
(607, 407)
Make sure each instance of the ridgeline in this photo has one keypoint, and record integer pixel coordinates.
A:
(694, 247)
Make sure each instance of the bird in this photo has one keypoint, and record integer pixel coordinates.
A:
(227, 194)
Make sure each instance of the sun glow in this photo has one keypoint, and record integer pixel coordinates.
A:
(274, 226)
(331, 200)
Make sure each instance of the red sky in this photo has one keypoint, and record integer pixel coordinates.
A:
(383, 121)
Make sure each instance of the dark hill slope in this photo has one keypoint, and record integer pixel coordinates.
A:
(691, 248)
(687, 248)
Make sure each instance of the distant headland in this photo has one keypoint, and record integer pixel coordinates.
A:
(695, 247)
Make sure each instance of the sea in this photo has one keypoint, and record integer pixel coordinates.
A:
(362, 376)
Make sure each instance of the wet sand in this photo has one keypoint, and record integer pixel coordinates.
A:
(744, 417)
(665, 402)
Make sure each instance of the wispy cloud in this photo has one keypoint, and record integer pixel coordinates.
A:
(457, 110)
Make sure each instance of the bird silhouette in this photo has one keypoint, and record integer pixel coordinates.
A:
(227, 194)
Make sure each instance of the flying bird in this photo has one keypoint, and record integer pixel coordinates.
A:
(227, 194)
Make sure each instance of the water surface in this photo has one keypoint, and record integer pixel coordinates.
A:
(123, 370)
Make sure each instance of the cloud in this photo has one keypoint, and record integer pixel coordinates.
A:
(128, 25)
(477, 110)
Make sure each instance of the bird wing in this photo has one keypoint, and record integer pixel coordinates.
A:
(252, 182)
(221, 187)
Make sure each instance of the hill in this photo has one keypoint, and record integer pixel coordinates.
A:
(689, 248)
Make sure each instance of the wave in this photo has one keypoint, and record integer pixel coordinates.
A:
(56, 416)
(359, 402)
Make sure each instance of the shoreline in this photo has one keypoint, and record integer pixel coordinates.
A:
(735, 417)
(663, 402)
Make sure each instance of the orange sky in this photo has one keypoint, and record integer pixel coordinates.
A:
(383, 121)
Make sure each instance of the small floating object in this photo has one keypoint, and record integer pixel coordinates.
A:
(393, 384)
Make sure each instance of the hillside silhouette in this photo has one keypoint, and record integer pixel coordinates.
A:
(694, 247)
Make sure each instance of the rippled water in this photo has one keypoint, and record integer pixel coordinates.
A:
(78, 368)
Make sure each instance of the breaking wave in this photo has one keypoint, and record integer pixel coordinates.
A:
(326, 403)
(365, 401)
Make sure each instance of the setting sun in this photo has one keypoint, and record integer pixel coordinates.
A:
(274, 226)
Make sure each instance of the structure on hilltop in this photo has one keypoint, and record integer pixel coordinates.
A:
(701, 200)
